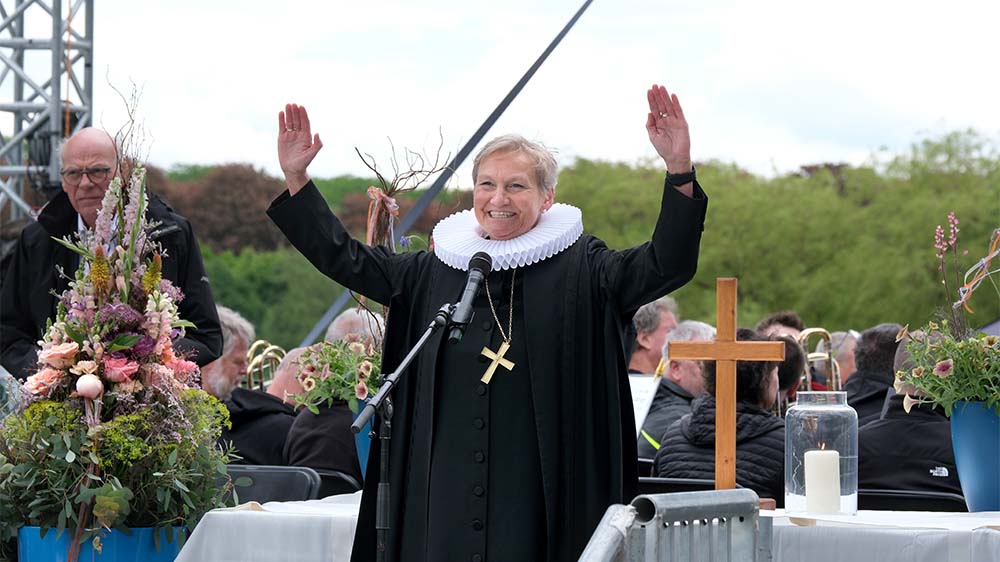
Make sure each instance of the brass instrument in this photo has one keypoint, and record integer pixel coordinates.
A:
(834, 382)
(263, 359)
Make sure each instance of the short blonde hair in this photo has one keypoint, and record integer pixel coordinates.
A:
(545, 166)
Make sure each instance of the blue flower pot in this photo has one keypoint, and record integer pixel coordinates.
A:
(975, 436)
(116, 546)
(362, 441)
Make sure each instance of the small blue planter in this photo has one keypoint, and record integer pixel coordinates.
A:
(362, 441)
(975, 436)
(116, 546)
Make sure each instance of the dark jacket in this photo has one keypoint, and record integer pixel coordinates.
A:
(688, 448)
(670, 404)
(908, 451)
(260, 426)
(27, 300)
(866, 393)
(324, 441)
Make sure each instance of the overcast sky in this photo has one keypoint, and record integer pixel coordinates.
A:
(769, 85)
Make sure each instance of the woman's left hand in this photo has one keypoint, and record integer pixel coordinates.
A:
(668, 129)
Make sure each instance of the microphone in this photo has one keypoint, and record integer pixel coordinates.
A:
(479, 267)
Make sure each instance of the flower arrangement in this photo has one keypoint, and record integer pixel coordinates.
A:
(116, 432)
(346, 370)
(950, 363)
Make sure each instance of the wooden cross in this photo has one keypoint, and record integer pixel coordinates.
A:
(725, 351)
(497, 359)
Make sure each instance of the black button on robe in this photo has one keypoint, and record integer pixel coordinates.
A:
(576, 305)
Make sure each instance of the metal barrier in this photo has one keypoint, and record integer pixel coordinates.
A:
(712, 526)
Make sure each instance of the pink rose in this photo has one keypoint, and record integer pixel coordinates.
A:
(89, 386)
(182, 367)
(59, 356)
(119, 369)
(361, 391)
(43, 382)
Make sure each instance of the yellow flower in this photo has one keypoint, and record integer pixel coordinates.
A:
(365, 369)
(917, 371)
(154, 273)
(308, 384)
(356, 348)
(100, 274)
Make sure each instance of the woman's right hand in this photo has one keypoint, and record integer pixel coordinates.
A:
(296, 146)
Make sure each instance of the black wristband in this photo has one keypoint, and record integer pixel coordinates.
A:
(677, 180)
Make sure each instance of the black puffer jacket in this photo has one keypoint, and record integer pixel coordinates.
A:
(866, 393)
(670, 404)
(688, 448)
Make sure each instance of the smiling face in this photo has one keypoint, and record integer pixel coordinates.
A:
(508, 199)
(89, 150)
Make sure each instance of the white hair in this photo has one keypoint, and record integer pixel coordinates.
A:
(688, 330)
(357, 322)
(234, 326)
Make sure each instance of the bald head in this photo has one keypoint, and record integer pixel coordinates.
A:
(89, 159)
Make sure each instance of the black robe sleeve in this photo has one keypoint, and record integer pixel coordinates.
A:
(307, 222)
(638, 275)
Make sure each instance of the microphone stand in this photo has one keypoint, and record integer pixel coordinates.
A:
(383, 403)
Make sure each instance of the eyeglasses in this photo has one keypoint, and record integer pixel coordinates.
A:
(96, 175)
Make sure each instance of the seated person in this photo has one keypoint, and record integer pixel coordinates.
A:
(870, 384)
(682, 381)
(324, 441)
(652, 322)
(260, 422)
(901, 451)
(791, 369)
(784, 323)
(843, 344)
(687, 448)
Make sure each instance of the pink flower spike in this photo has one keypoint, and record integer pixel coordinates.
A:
(944, 368)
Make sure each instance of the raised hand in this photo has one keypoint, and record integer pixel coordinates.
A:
(296, 146)
(668, 129)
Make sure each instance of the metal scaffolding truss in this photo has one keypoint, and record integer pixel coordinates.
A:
(46, 86)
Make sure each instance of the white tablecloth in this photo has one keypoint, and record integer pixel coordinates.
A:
(885, 536)
(310, 531)
(323, 530)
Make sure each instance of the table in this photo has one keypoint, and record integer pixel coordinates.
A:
(887, 536)
(306, 531)
(323, 530)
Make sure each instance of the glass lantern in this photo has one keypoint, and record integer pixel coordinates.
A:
(821, 455)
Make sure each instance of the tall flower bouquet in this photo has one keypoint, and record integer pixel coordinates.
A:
(116, 432)
(951, 363)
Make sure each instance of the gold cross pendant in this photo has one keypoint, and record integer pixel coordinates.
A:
(497, 360)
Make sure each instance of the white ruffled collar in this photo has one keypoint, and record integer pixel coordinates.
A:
(458, 237)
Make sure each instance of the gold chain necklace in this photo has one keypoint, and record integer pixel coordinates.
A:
(497, 357)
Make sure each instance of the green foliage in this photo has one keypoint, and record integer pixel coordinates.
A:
(948, 368)
(279, 291)
(336, 188)
(844, 247)
(188, 172)
(134, 474)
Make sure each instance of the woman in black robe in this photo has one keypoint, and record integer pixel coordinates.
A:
(522, 464)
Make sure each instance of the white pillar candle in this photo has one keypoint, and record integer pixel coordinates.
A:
(822, 481)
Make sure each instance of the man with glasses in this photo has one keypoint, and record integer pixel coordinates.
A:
(32, 279)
